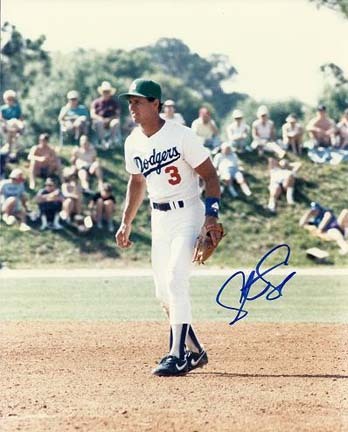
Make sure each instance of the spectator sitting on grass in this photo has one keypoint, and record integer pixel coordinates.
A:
(282, 179)
(170, 114)
(322, 223)
(12, 123)
(238, 131)
(72, 194)
(44, 161)
(105, 114)
(264, 134)
(73, 117)
(50, 201)
(13, 200)
(342, 130)
(322, 129)
(292, 134)
(205, 128)
(227, 166)
(103, 207)
(85, 160)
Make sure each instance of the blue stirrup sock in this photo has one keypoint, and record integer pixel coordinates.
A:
(179, 332)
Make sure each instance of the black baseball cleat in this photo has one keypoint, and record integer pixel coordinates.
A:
(196, 360)
(171, 366)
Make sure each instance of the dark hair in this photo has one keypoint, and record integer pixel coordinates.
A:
(152, 99)
(44, 136)
(50, 180)
(107, 187)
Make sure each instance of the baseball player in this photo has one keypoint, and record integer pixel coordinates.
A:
(168, 158)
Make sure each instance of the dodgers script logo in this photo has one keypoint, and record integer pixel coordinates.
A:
(157, 161)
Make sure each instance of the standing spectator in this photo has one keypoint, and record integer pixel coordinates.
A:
(292, 134)
(73, 117)
(103, 207)
(85, 160)
(323, 223)
(238, 131)
(105, 114)
(227, 166)
(13, 200)
(170, 114)
(44, 161)
(12, 123)
(72, 194)
(282, 179)
(263, 133)
(50, 201)
(321, 129)
(205, 128)
(342, 130)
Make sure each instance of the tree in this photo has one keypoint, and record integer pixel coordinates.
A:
(335, 94)
(22, 60)
(204, 76)
(338, 5)
(334, 74)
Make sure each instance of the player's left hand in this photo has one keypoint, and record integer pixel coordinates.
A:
(122, 236)
(208, 240)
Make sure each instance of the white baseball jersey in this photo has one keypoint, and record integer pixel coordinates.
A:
(167, 160)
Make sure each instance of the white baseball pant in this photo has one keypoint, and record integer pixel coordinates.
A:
(174, 233)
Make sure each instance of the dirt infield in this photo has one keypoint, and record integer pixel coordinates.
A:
(96, 376)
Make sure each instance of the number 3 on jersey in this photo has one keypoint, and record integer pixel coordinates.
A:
(174, 175)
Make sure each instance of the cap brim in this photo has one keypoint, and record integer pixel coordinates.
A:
(125, 95)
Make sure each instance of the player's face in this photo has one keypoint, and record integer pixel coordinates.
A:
(141, 109)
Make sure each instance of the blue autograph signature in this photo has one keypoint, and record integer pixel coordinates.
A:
(273, 291)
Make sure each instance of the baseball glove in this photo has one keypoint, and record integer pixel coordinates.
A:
(207, 241)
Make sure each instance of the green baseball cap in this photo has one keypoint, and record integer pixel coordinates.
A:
(144, 88)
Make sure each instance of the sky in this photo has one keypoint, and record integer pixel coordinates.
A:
(277, 46)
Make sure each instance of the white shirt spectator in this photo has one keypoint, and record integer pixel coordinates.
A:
(203, 130)
(177, 118)
(237, 132)
(264, 130)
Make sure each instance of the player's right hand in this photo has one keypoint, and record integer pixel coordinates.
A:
(122, 236)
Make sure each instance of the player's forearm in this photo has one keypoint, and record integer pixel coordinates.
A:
(134, 198)
(212, 187)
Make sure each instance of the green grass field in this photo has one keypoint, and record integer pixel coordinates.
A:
(305, 299)
(251, 229)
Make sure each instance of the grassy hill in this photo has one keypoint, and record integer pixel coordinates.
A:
(251, 229)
